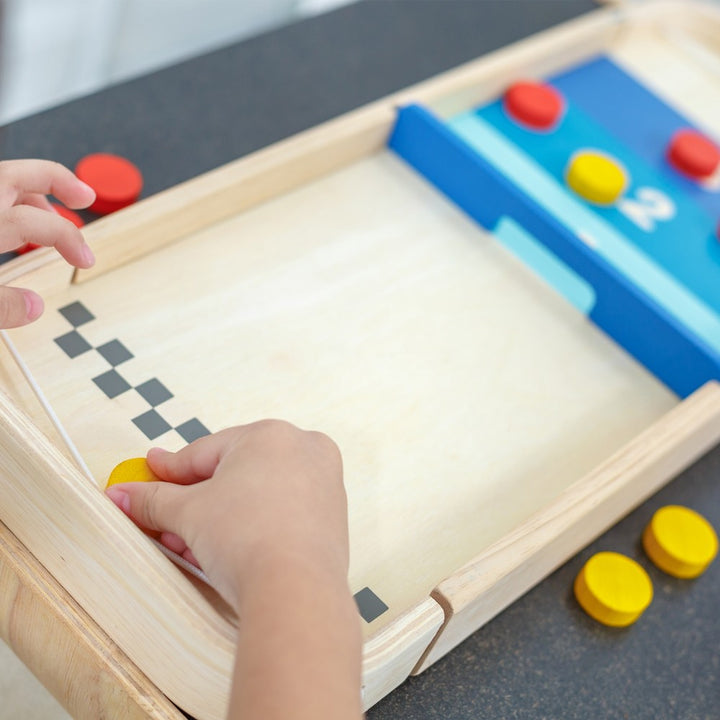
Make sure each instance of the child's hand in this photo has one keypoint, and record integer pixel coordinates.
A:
(244, 498)
(26, 215)
(262, 507)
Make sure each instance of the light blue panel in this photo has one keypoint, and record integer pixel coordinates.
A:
(555, 272)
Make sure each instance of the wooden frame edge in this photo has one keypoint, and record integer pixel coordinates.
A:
(390, 656)
(509, 568)
(65, 649)
(36, 477)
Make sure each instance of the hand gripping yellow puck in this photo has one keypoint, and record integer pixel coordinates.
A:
(680, 541)
(132, 470)
(613, 589)
(595, 177)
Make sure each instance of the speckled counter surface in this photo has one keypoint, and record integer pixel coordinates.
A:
(542, 658)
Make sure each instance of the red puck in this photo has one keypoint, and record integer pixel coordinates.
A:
(693, 154)
(26, 248)
(535, 105)
(115, 180)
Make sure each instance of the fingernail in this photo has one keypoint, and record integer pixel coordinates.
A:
(33, 305)
(120, 498)
(87, 256)
(158, 451)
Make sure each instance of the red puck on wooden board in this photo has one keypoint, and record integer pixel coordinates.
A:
(535, 105)
(115, 180)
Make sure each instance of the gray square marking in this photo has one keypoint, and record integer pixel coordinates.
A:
(76, 314)
(369, 605)
(151, 424)
(115, 352)
(73, 344)
(192, 430)
(111, 383)
(154, 392)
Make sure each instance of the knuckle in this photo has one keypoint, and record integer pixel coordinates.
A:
(150, 502)
(326, 446)
(276, 431)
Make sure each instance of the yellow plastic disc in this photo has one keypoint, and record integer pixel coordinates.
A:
(613, 589)
(596, 177)
(680, 541)
(132, 470)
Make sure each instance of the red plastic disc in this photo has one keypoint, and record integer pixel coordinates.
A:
(693, 154)
(535, 105)
(115, 180)
(27, 247)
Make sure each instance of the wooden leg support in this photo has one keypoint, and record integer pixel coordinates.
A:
(62, 646)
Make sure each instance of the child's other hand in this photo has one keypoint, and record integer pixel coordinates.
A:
(247, 500)
(26, 215)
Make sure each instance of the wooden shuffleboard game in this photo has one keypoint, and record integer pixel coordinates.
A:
(497, 406)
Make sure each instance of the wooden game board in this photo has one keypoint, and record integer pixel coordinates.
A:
(489, 431)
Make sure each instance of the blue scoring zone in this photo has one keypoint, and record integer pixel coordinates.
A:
(465, 166)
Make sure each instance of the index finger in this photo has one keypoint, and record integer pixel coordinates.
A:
(45, 177)
(195, 462)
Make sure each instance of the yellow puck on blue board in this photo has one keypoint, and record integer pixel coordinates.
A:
(132, 470)
(613, 589)
(596, 177)
(680, 541)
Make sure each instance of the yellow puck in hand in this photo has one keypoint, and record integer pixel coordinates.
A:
(132, 470)
(596, 177)
(680, 541)
(613, 589)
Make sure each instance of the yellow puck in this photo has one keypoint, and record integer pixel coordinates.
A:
(132, 470)
(680, 541)
(596, 177)
(613, 589)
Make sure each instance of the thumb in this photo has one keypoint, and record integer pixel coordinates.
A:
(19, 307)
(152, 505)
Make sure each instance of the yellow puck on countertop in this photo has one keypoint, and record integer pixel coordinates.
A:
(596, 177)
(132, 470)
(613, 589)
(680, 541)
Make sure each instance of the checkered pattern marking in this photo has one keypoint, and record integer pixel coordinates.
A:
(112, 383)
(369, 604)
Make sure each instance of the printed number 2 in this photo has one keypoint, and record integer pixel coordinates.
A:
(648, 206)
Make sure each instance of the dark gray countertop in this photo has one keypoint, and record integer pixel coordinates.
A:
(541, 658)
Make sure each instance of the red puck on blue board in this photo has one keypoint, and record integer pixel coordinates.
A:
(535, 105)
(693, 154)
(115, 180)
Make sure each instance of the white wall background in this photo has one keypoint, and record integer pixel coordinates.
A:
(54, 50)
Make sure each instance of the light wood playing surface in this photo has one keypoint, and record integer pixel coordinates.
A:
(465, 394)
(364, 305)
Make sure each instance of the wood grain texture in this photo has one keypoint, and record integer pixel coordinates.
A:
(84, 545)
(75, 660)
(362, 303)
(388, 657)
